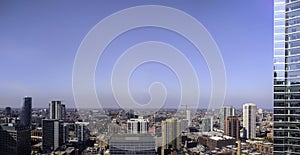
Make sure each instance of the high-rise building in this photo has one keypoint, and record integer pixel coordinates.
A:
(132, 144)
(137, 125)
(232, 127)
(171, 130)
(66, 131)
(14, 139)
(63, 111)
(57, 110)
(224, 113)
(52, 134)
(286, 77)
(82, 131)
(189, 117)
(25, 117)
(207, 124)
(249, 119)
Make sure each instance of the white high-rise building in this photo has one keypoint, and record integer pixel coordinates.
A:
(207, 124)
(139, 125)
(225, 112)
(249, 119)
(189, 117)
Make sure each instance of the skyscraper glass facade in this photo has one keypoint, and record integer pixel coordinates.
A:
(286, 77)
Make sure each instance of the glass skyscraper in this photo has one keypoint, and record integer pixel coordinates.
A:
(286, 77)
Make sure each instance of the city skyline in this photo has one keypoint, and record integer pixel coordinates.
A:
(39, 43)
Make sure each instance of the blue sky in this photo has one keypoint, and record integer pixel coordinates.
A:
(39, 41)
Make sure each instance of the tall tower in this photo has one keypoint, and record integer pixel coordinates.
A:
(225, 112)
(249, 119)
(232, 127)
(56, 110)
(189, 117)
(52, 134)
(207, 124)
(286, 77)
(171, 129)
(25, 117)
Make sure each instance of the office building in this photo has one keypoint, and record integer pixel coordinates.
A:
(138, 125)
(52, 134)
(286, 77)
(57, 110)
(207, 124)
(130, 144)
(14, 140)
(171, 133)
(224, 113)
(66, 131)
(82, 131)
(25, 115)
(249, 119)
(232, 127)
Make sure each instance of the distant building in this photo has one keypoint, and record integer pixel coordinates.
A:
(131, 144)
(8, 111)
(25, 117)
(63, 111)
(82, 131)
(189, 117)
(137, 125)
(224, 113)
(207, 124)
(57, 110)
(249, 119)
(14, 140)
(232, 127)
(52, 134)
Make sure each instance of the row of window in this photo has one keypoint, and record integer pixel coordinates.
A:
(290, 74)
(281, 38)
(287, 89)
(293, 6)
(293, 29)
(289, 51)
(283, 67)
(293, 21)
(285, 125)
(286, 148)
(286, 104)
(294, 72)
(287, 45)
(284, 82)
(284, 133)
(293, 96)
(288, 111)
(293, 14)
